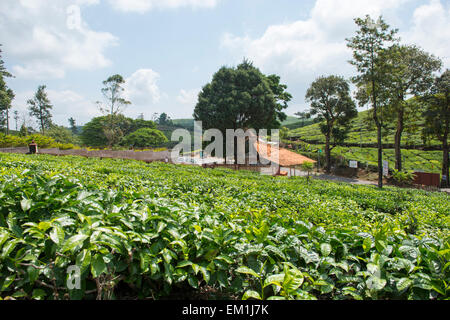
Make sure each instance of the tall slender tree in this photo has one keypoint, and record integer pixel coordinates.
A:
(73, 126)
(113, 91)
(437, 118)
(371, 40)
(411, 75)
(3, 71)
(16, 119)
(40, 108)
(6, 95)
(330, 101)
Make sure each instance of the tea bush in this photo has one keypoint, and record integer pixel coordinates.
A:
(159, 230)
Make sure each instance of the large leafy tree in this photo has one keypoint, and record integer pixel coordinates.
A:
(332, 105)
(242, 98)
(411, 75)
(113, 91)
(368, 45)
(437, 117)
(40, 108)
(93, 133)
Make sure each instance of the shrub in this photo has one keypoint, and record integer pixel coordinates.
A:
(403, 177)
(11, 141)
(145, 137)
(42, 142)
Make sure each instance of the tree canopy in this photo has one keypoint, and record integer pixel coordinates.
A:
(145, 137)
(242, 97)
(368, 45)
(93, 132)
(437, 116)
(331, 103)
(40, 107)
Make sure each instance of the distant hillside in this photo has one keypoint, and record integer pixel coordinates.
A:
(362, 131)
(184, 123)
(290, 123)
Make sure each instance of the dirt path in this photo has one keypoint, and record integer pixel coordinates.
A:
(322, 176)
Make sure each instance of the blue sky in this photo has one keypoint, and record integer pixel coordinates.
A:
(167, 50)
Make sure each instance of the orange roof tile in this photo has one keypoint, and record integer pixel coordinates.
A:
(286, 158)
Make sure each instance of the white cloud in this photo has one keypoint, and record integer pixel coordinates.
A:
(302, 50)
(431, 29)
(188, 97)
(50, 38)
(66, 104)
(141, 88)
(142, 6)
(312, 45)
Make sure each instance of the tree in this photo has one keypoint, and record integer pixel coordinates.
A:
(437, 118)
(73, 126)
(112, 92)
(23, 130)
(368, 45)
(6, 95)
(164, 120)
(145, 137)
(115, 103)
(331, 102)
(61, 134)
(411, 74)
(40, 107)
(16, 119)
(242, 98)
(303, 116)
(308, 167)
(3, 71)
(93, 133)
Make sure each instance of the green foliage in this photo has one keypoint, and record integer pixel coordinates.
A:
(437, 117)
(93, 133)
(362, 131)
(332, 105)
(151, 230)
(9, 141)
(403, 177)
(112, 92)
(40, 108)
(6, 96)
(62, 135)
(414, 160)
(145, 138)
(242, 97)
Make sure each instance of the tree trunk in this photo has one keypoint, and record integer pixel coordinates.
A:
(7, 121)
(42, 124)
(445, 167)
(379, 139)
(327, 154)
(398, 140)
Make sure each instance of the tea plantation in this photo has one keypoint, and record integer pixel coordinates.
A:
(159, 231)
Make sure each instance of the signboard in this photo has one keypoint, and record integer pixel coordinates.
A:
(385, 168)
(353, 164)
